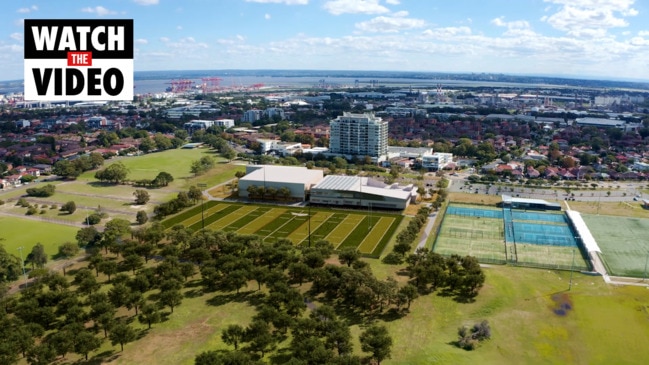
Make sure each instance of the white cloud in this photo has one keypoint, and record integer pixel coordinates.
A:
(337, 7)
(27, 10)
(643, 33)
(179, 27)
(99, 10)
(266, 16)
(590, 18)
(393, 2)
(141, 41)
(146, 2)
(164, 39)
(391, 24)
(287, 2)
(16, 36)
(446, 32)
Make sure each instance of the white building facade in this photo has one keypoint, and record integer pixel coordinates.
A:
(436, 161)
(359, 135)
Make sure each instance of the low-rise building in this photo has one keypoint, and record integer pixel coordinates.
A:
(298, 180)
(436, 161)
(363, 192)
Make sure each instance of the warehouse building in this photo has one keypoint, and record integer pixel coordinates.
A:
(298, 180)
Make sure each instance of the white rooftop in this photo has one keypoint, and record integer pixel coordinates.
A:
(293, 174)
(364, 185)
(583, 231)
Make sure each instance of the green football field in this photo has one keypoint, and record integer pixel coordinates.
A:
(367, 232)
(624, 246)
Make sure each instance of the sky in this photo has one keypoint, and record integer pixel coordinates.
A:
(607, 39)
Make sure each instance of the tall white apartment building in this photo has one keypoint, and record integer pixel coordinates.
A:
(359, 135)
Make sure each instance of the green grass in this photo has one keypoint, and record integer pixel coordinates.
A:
(607, 324)
(622, 241)
(19, 232)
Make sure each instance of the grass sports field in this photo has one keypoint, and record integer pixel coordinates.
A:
(19, 232)
(344, 229)
(623, 242)
(478, 231)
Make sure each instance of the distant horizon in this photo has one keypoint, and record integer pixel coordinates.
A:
(324, 72)
(585, 39)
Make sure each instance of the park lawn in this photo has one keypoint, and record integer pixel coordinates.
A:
(603, 326)
(480, 199)
(19, 232)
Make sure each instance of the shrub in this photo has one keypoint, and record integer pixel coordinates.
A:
(393, 258)
(141, 217)
(43, 192)
(31, 210)
(43, 211)
(93, 219)
(2, 202)
(22, 202)
(471, 338)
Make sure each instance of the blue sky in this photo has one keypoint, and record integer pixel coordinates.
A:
(590, 38)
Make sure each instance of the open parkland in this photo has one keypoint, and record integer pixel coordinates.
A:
(604, 324)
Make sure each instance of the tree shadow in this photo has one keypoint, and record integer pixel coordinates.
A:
(100, 358)
(254, 298)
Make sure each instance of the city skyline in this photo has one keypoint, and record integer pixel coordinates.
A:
(606, 39)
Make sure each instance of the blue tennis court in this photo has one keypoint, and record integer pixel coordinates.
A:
(537, 216)
(474, 212)
(544, 234)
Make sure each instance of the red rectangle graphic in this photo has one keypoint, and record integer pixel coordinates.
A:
(79, 58)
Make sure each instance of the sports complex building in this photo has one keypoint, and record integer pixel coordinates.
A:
(351, 191)
(362, 192)
(297, 179)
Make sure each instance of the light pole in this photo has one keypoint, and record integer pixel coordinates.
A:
(22, 262)
(571, 269)
(309, 224)
(645, 267)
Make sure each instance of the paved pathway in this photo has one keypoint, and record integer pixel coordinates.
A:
(429, 227)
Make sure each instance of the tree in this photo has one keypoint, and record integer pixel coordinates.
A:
(141, 197)
(61, 342)
(68, 249)
(10, 266)
(37, 256)
(115, 173)
(42, 354)
(149, 314)
(259, 336)
(42, 192)
(87, 236)
(121, 334)
(108, 268)
(195, 194)
(376, 340)
(85, 342)
(141, 217)
(147, 145)
(349, 256)
(133, 262)
(118, 295)
(409, 293)
(69, 207)
(233, 335)
(163, 179)
(171, 298)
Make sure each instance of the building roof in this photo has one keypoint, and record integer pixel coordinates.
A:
(289, 174)
(583, 231)
(364, 185)
(510, 199)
